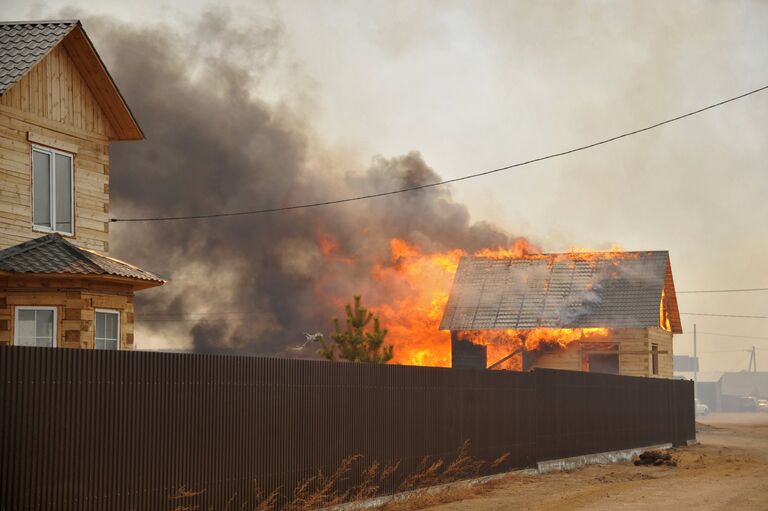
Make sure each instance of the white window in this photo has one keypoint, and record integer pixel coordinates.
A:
(52, 206)
(107, 330)
(35, 326)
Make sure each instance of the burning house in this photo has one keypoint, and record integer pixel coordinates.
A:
(610, 312)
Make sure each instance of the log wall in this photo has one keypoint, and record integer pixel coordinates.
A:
(634, 352)
(76, 302)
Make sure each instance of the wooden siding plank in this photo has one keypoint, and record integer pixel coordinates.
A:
(91, 201)
(15, 118)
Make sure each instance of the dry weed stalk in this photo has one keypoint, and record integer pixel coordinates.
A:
(430, 473)
(499, 461)
(320, 491)
(372, 479)
(264, 504)
(463, 466)
(327, 492)
(182, 492)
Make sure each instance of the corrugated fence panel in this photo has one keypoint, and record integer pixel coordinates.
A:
(95, 430)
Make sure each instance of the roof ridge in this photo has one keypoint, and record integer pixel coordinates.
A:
(570, 254)
(77, 252)
(38, 22)
(120, 261)
(26, 246)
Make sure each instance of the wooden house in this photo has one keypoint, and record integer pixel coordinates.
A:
(59, 112)
(612, 312)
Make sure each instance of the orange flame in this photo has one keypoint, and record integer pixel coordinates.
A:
(501, 343)
(413, 319)
(416, 286)
(520, 248)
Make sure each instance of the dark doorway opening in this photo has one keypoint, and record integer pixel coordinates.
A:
(466, 355)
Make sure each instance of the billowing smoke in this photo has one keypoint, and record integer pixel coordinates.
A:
(259, 281)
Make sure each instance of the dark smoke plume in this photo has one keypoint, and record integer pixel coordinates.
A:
(212, 147)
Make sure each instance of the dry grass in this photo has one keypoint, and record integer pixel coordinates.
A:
(324, 491)
(431, 472)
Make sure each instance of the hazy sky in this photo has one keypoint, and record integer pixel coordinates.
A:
(476, 85)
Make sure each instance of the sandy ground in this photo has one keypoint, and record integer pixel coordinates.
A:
(728, 471)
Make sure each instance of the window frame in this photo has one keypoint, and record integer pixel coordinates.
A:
(51, 152)
(654, 359)
(36, 308)
(107, 311)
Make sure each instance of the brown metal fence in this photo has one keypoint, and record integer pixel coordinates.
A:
(101, 430)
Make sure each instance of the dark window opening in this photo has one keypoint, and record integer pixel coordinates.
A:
(655, 358)
(603, 363)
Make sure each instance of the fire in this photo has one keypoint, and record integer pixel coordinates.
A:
(664, 313)
(501, 343)
(520, 248)
(423, 282)
(615, 249)
(329, 248)
(411, 291)
(534, 339)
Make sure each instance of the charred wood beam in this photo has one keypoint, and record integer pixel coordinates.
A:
(504, 359)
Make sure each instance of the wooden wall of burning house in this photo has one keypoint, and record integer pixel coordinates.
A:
(630, 351)
(612, 313)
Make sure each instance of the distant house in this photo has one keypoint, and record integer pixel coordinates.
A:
(629, 296)
(729, 392)
(59, 111)
(744, 383)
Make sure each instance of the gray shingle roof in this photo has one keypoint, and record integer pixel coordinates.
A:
(23, 44)
(54, 254)
(561, 291)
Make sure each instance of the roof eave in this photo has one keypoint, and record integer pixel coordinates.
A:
(97, 76)
(110, 99)
(136, 284)
(671, 295)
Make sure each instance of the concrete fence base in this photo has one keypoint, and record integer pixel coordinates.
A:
(542, 467)
(600, 458)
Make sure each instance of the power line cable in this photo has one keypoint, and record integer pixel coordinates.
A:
(207, 313)
(444, 182)
(725, 351)
(728, 335)
(747, 290)
(722, 315)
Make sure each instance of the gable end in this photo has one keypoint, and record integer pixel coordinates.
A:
(25, 52)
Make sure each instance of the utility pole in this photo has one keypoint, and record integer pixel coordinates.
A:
(752, 360)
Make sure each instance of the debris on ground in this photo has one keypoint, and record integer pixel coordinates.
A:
(655, 458)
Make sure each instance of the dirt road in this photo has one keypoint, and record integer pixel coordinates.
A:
(727, 471)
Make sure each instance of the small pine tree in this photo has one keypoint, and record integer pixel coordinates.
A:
(354, 343)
